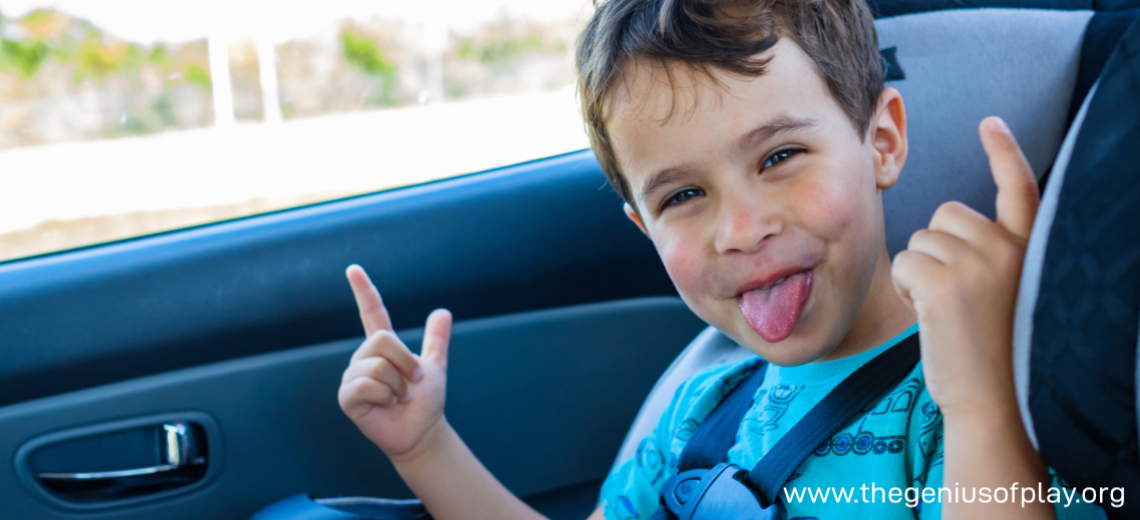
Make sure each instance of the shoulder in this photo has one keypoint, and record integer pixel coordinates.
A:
(700, 393)
(631, 489)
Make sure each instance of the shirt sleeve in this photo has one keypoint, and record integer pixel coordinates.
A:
(928, 475)
(631, 490)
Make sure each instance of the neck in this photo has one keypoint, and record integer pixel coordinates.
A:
(884, 314)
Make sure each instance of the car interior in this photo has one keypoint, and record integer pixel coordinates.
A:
(193, 373)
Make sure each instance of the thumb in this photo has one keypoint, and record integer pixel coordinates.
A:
(1017, 196)
(437, 335)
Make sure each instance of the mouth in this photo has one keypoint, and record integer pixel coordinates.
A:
(776, 277)
(773, 305)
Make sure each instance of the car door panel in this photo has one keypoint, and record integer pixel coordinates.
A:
(544, 398)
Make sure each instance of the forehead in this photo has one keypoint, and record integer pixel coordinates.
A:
(660, 116)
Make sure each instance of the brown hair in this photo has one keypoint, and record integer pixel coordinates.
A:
(838, 36)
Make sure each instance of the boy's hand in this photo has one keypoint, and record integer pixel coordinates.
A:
(961, 277)
(394, 396)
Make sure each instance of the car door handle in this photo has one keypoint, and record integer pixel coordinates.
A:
(178, 450)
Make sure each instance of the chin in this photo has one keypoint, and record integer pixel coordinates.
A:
(797, 349)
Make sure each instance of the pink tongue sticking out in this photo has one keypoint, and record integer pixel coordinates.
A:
(772, 311)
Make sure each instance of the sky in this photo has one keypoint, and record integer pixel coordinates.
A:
(171, 21)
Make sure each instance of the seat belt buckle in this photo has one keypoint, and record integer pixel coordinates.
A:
(715, 494)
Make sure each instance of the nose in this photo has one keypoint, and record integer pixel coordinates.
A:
(745, 223)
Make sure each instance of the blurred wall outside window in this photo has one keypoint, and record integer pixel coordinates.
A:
(121, 118)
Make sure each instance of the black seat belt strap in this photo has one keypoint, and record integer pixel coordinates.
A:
(838, 408)
(708, 445)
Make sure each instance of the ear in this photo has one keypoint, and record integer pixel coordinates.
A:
(632, 214)
(888, 138)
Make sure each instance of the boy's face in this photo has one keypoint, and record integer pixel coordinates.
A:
(761, 199)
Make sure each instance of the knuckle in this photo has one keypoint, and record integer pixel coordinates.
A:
(382, 336)
(351, 391)
(951, 209)
(381, 366)
(364, 347)
(904, 262)
(390, 340)
(898, 266)
(916, 238)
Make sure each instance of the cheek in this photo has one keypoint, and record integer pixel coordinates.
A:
(843, 214)
(681, 259)
(832, 211)
(687, 266)
(840, 202)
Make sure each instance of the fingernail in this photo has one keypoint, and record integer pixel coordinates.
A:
(998, 124)
(407, 395)
(393, 400)
(417, 374)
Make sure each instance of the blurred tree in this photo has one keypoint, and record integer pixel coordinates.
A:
(198, 76)
(365, 54)
(23, 57)
(500, 52)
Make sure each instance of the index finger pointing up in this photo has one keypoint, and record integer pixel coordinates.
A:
(372, 312)
(1017, 196)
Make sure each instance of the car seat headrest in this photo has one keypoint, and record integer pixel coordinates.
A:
(1078, 316)
(964, 65)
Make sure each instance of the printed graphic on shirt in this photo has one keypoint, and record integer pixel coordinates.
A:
(879, 431)
(930, 441)
(775, 403)
(650, 460)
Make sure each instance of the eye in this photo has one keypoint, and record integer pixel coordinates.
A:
(779, 157)
(681, 196)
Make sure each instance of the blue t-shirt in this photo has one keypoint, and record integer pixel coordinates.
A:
(895, 445)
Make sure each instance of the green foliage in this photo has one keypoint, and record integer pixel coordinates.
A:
(38, 17)
(198, 77)
(159, 55)
(131, 58)
(65, 49)
(78, 49)
(24, 57)
(501, 51)
(98, 59)
(365, 54)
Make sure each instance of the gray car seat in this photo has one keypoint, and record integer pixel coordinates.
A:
(1025, 65)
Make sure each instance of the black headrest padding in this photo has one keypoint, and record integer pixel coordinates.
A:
(888, 8)
(1085, 325)
(1101, 36)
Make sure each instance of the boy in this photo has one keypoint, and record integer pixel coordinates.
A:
(751, 141)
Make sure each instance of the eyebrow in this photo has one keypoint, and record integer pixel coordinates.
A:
(771, 129)
(662, 178)
(764, 132)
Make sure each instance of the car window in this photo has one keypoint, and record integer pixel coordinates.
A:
(121, 118)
